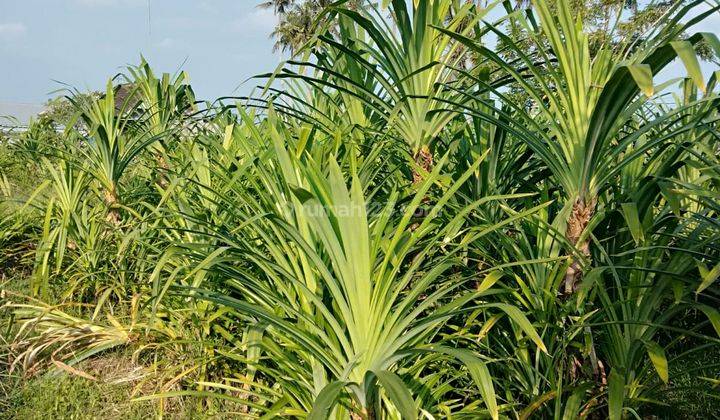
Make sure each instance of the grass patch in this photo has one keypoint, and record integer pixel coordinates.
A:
(117, 381)
(72, 397)
(60, 394)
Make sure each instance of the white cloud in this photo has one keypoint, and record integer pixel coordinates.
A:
(208, 7)
(165, 43)
(103, 3)
(12, 29)
(96, 2)
(257, 20)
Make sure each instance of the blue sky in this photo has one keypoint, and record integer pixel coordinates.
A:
(83, 42)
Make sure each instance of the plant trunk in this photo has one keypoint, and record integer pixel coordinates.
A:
(365, 414)
(423, 159)
(579, 218)
(111, 200)
(162, 167)
(245, 395)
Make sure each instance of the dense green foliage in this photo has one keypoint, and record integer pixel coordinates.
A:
(424, 215)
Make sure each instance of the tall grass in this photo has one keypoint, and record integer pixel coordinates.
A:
(410, 221)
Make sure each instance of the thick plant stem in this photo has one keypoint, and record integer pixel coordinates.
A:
(580, 216)
(364, 414)
(111, 200)
(423, 159)
(161, 170)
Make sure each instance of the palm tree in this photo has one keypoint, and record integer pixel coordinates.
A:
(280, 7)
(295, 28)
(162, 109)
(400, 75)
(299, 23)
(581, 104)
(109, 145)
(345, 283)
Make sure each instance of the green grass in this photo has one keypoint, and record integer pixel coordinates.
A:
(380, 234)
(67, 396)
(691, 397)
(118, 380)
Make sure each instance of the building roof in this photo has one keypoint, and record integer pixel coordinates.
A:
(126, 97)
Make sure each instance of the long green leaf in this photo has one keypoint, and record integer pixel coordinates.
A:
(616, 394)
(326, 400)
(398, 393)
(658, 359)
